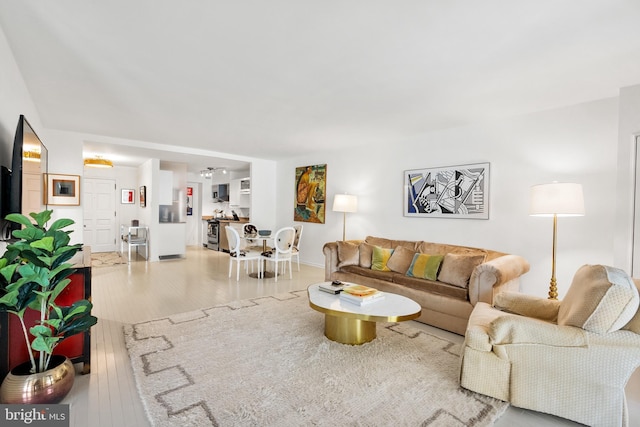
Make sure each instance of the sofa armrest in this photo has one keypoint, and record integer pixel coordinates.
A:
(477, 333)
(514, 329)
(330, 250)
(493, 276)
(527, 305)
(332, 258)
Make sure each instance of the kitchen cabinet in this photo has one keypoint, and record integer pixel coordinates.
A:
(165, 194)
(245, 186)
(239, 197)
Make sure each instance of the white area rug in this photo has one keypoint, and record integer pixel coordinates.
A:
(106, 259)
(266, 362)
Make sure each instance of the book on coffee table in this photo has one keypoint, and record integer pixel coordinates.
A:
(360, 290)
(329, 287)
(361, 295)
(369, 299)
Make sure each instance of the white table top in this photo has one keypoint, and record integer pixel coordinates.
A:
(392, 308)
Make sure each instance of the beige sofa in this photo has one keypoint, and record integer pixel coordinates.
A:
(571, 358)
(465, 276)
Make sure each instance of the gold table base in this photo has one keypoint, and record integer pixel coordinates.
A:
(348, 330)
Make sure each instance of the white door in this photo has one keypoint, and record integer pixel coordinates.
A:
(99, 199)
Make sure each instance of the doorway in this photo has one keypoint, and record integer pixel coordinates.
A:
(99, 200)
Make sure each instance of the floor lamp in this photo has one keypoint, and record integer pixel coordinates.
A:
(554, 200)
(345, 203)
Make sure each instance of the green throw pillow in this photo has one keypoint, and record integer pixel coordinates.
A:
(425, 266)
(379, 258)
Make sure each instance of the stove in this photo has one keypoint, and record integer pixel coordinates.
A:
(213, 234)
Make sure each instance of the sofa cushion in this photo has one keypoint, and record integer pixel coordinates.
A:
(380, 258)
(366, 252)
(600, 299)
(431, 286)
(425, 266)
(387, 276)
(348, 253)
(400, 259)
(432, 248)
(409, 244)
(379, 241)
(457, 268)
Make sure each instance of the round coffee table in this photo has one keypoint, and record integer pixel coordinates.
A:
(348, 323)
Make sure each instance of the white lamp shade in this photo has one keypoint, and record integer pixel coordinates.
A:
(345, 203)
(558, 198)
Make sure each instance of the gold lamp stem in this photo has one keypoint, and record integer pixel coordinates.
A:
(344, 225)
(553, 290)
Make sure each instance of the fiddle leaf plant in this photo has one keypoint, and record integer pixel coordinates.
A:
(33, 273)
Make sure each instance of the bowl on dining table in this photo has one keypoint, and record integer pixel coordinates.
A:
(264, 233)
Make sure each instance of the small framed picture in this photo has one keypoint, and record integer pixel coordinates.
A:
(62, 190)
(143, 196)
(128, 196)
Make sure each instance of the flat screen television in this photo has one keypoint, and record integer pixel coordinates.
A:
(5, 187)
(28, 172)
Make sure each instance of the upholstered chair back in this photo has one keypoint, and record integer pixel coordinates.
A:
(601, 299)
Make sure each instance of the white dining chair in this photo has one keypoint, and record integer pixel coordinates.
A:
(134, 237)
(237, 254)
(295, 250)
(280, 255)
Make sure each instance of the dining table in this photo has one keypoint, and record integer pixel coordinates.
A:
(264, 274)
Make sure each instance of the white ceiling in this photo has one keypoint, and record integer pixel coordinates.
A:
(278, 78)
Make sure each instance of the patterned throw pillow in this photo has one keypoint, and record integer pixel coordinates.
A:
(425, 266)
(380, 258)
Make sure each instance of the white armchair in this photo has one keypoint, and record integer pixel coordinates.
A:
(569, 358)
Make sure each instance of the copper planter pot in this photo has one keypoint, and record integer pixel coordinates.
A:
(51, 386)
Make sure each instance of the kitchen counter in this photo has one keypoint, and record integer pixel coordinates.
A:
(241, 219)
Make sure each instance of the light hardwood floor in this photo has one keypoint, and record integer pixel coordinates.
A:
(108, 397)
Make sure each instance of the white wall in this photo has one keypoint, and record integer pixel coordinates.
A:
(264, 193)
(14, 100)
(573, 144)
(148, 176)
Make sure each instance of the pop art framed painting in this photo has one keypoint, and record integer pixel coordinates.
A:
(447, 192)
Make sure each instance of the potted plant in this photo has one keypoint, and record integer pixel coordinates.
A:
(33, 272)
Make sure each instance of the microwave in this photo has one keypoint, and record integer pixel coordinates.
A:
(245, 186)
(220, 192)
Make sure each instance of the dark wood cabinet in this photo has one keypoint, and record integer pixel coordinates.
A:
(224, 242)
(13, 350)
